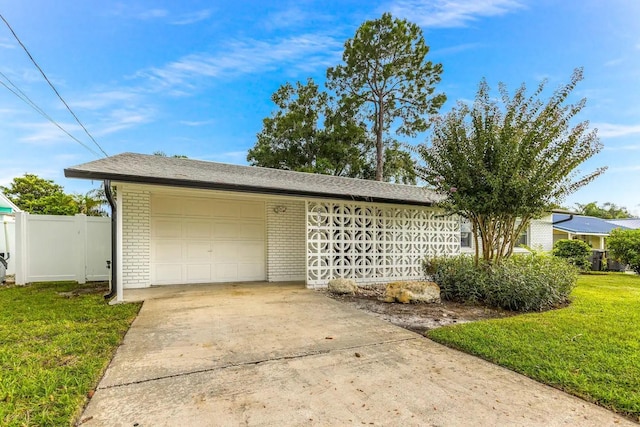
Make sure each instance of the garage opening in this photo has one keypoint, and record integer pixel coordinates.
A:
(203, 240)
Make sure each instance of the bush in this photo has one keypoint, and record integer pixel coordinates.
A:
(624, 245)
(458, 277)
(576, 252)
(530, 283)
(521, 283)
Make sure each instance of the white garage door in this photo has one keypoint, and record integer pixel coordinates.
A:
(202, 240)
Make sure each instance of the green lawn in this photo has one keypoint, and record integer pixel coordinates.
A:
(54, 348)
(590, 349)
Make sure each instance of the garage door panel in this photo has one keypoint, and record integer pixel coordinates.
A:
(251, 230)
(198, 273)
(226, 230)
(224, 209)
(210, 241)
(250, 271)
(197, 229)
(166, 205)
(198, 251)
(197, 207)
(166, 228)
(252, 210)
(164, 250)
(168, 273)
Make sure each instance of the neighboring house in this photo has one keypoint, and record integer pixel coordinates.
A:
(589, 229)
(7, 232)
(537, 236)
(189, 221)
(633, 223)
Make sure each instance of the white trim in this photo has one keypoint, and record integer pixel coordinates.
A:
(119, 245)
(9, 203)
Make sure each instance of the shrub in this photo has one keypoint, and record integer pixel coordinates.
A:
(576, 252)
(530, 283)
(624, 245)
(521, 283)
(458, 277)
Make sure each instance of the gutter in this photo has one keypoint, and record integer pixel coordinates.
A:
(114, 235)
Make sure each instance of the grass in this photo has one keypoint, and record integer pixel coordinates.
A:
(590, 349)
(54, 348)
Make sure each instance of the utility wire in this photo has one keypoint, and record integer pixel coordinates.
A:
(20, 94)
(51, 85)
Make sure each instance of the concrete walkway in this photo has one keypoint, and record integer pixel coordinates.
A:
(282, 355)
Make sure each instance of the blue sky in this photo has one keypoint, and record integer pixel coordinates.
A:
(195, 77)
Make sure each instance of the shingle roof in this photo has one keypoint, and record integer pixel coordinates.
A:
(581, 224)
(147, 169)
(626, 222)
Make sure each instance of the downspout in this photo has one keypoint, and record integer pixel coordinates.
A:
(114, 217)
(563, 220)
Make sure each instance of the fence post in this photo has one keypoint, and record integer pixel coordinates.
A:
(80, 248)
(21, 249)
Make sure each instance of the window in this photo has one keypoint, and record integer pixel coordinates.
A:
(465, 234)
(523, 239)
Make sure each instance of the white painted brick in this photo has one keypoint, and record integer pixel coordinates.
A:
(286, 240)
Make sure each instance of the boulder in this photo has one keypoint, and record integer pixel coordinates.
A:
(407, 292)
(342, 286)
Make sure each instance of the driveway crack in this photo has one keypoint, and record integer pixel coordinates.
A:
(258, 362)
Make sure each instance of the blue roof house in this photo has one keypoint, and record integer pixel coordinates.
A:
(589, 229)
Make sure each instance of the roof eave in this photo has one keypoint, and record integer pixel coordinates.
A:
(206, 185)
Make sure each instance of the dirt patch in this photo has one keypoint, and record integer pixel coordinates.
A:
(417, 317)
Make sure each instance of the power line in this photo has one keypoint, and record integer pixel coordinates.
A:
(52, 86)
(23, 96)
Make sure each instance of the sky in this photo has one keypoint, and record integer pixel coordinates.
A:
(195, 77)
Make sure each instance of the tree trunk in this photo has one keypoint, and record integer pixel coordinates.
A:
(379, 145)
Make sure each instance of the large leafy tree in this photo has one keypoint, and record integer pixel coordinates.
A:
(501, 162)
(606, 211)
(308, 132)
(42, 196)
(386, 76)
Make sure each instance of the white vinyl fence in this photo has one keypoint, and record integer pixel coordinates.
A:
(54, 247)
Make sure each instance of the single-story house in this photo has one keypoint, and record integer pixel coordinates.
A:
(589, 229)
(182, 221)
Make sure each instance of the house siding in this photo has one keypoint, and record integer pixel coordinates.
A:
(136, 232)
(285, 240)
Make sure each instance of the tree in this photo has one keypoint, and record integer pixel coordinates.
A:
(624, 246)
(91, 203)
(39, 196)
(606, 211)
(163, 154)
(309, 133)
(500, 164)
(386, 76)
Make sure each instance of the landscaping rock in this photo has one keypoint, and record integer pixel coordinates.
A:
(407, 292)
(342, 286)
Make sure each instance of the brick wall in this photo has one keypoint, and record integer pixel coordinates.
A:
(136, 230)
(541, 233)
(286, 240)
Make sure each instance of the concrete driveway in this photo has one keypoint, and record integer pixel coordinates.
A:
(282, 355)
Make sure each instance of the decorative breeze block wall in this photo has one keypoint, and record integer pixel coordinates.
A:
(285, 240)
(374, 243)
(136, 230)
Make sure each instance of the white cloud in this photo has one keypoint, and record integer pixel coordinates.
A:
(455, 49)
(614, 62)
(623, 148)
(233, 157)
(634, 168)
(123, 119)
(195, 123)
(451, 13)
(152, 14)
(99, 100)
(245, 57)
(193, 17)
(611, 130)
